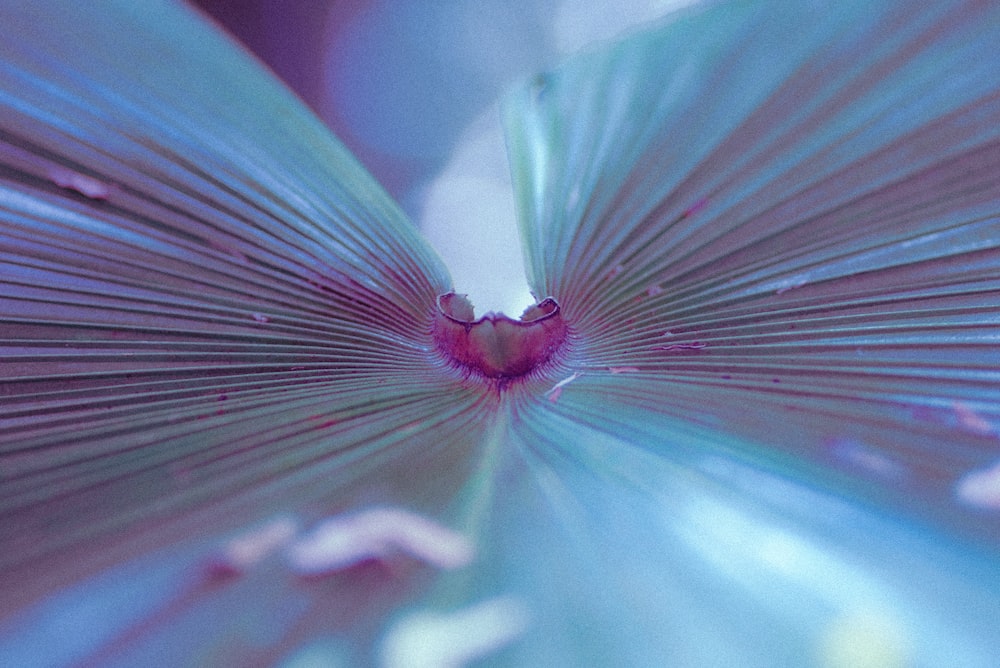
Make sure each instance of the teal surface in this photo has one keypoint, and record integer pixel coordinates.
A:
(774, 232)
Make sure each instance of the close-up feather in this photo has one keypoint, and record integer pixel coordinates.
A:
(752, 417)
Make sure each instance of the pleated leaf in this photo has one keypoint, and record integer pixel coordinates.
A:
(205, 301)
(775, 231)
(229, 435)
(783, 224)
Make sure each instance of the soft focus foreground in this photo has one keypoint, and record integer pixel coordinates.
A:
(230, 437)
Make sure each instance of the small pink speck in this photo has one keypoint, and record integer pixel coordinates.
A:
(87, 186)
(695, 208)
(238, 255)
(324, 421)
(623, 369)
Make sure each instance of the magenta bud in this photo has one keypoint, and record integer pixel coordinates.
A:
(496, 346)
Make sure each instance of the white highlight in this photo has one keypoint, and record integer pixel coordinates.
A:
(347, 540)
(970, 420)
(859, 454)
(468, 216)
(253, 546)
(980, 488)
(448, 640)
(864, 639)
(557, 389)
(756, 553)
(468, 212)
(579, 23)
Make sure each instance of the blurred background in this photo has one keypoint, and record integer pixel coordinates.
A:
(413, 87)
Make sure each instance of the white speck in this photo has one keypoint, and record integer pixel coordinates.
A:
(864, 639)
(573, 199)
(347, 540)
(790, 285)
(623, 369)
(858, 454)
(251, 547)
(980, 488)
(260, 317)
(970, 420)
(694, 345)
(557, 389)
(87, 186)
(448, 640)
